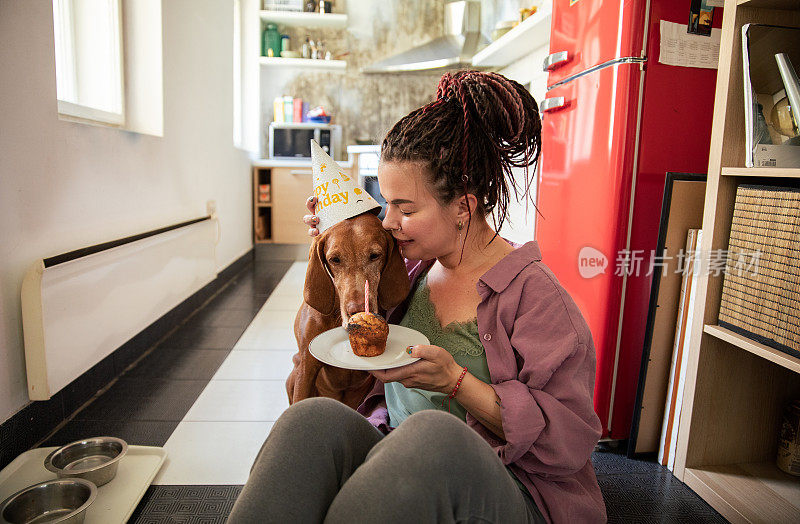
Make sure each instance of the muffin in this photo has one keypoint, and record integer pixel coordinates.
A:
(368, 333)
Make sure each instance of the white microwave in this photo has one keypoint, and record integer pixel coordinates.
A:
(293, 141)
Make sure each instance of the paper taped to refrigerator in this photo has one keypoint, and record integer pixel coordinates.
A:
(679, 48)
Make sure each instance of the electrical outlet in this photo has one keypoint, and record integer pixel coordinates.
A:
(211, 207)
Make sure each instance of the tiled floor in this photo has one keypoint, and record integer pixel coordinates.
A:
(214, 387)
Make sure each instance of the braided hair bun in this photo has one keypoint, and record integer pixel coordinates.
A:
(480, 126)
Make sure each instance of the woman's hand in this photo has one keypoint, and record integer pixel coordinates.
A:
(435, 371)
(311, 220)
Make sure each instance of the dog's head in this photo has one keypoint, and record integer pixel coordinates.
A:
(353, 251)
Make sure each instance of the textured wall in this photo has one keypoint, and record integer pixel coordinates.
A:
(66, 185)
(365, 106)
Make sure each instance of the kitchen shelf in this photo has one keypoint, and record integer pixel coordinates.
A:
(770, 172)
(763, 493)
(309, 20)
(735, 388)
(773, 355)
(303, 63)
(262, 211)
(533, 32)
(770, 4)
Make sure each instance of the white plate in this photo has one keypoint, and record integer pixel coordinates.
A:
(333, 347)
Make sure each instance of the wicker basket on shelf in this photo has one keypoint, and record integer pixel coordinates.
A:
(761, 287)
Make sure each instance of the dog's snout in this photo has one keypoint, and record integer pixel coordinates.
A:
(355, 306)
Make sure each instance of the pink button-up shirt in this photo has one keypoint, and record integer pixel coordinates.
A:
(541, 359)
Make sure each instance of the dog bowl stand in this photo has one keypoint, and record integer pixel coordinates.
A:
(115, 501)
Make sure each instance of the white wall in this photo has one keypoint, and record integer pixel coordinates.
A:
(521, 220)
(65, 185)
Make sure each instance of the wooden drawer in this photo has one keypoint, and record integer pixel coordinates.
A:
(291, 187)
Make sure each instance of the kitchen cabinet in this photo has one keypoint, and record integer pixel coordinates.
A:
(531, 33)
(291, 187)
(736, 388)
(280, 220)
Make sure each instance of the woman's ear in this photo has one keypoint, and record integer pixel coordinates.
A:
(394, 284)
(319, 291)
(465, 205)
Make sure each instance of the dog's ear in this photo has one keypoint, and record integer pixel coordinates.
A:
(394, 285)
(319, 292)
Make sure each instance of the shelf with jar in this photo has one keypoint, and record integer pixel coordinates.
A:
(276, 48)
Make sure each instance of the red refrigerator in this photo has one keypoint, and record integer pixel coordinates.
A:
(614, 121)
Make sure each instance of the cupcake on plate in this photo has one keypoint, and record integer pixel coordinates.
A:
(368, 333)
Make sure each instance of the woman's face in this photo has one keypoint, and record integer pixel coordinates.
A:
(428, 230)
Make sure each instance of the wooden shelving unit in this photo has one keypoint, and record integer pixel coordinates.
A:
(533, 32)
(761, 171)
(736, 388)
(746, 344)
(262, 211)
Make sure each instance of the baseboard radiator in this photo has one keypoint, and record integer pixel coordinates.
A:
(78, 307)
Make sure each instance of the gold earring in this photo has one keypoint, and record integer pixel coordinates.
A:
(460, 225)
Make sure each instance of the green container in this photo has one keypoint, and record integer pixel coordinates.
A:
(271, 39)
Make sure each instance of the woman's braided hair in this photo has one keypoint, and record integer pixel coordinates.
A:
(479, 127)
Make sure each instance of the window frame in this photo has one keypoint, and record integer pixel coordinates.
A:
(66, 57)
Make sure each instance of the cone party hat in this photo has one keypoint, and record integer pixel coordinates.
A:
(338, 194)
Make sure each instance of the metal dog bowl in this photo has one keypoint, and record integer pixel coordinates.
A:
(62, 500)
(95, 459)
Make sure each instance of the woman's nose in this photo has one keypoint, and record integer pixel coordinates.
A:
(389, 222)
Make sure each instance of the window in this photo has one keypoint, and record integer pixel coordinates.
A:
(89, 69)
(237, 73)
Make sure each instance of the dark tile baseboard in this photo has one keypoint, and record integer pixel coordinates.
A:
(36, 420)
(282, 252)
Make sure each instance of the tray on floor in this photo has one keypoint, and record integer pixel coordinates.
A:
(115, 501)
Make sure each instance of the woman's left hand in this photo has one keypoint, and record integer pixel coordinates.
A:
(435, 371)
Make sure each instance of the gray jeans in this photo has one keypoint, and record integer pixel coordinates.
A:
(323, 461)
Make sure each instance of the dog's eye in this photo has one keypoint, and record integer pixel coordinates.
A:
(334, 260)
(374, 256)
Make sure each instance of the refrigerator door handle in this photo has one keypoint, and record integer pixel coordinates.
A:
(554, 59)
(549, 104)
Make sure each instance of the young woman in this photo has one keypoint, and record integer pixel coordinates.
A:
(510, 355)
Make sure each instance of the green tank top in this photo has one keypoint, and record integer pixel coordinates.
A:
(461, 339)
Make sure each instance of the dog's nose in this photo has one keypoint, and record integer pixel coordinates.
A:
(354, 307)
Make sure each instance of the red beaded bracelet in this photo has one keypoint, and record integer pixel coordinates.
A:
(455, 389)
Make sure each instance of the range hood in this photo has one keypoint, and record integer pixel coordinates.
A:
(454, 50)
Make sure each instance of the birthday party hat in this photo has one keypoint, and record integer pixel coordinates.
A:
(338, 194)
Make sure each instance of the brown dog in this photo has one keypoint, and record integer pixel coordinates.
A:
(339, 261)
